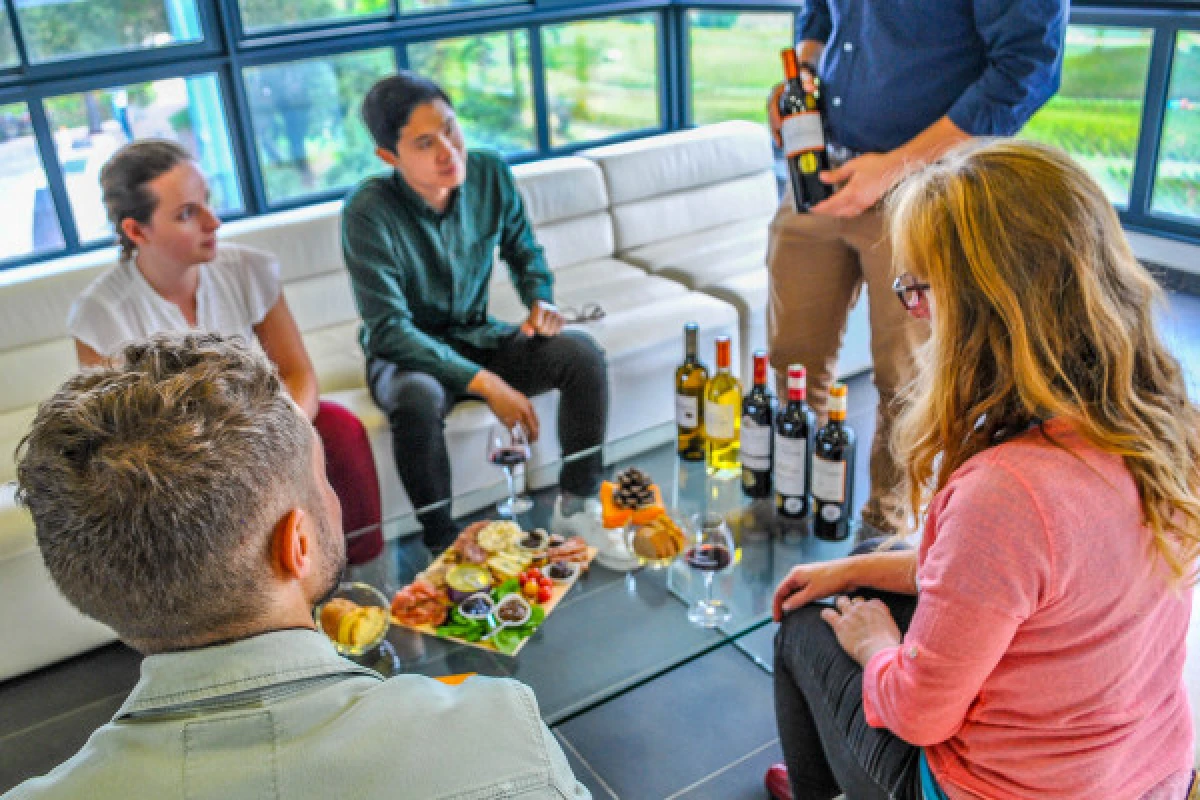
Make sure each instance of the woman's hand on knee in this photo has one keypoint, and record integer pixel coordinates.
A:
(863, 627)
(809, 582)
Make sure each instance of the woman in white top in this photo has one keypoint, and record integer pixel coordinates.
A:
(172, 275)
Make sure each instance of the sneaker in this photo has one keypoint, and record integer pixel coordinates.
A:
(611, 550)
(776, 783)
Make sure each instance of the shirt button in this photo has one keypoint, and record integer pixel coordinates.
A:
(837, 101)
(848, 47)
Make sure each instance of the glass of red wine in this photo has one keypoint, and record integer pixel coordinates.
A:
(508, 448)
(709, 551)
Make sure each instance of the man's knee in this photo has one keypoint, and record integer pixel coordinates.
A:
(416, 396)
(581, 354)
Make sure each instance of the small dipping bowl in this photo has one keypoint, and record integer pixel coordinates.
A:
(561, 571)
(477, 606)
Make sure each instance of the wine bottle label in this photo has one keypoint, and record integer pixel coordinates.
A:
(791, 457)
(756, 445)
(718, 421)
(687, 412)
(802, 133)
(829, 480)
(831, 512)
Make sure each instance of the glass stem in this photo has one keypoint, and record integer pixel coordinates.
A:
(708, 580)
(512, 492)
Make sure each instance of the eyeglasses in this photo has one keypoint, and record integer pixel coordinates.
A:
(590, 312)
(911, 294)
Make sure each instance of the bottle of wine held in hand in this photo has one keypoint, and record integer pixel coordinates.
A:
(722, 414)
(803, 133)
(758, 416)
(833, 471)
(690, 379)
(795, 426)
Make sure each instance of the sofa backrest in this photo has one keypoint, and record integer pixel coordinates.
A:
(679, 183)
(567, 203)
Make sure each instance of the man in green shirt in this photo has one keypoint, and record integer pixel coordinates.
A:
(180, 497)
(418, 243)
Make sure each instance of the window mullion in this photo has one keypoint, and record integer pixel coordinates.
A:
(1153, 118)
(55, 177)
(537, 69)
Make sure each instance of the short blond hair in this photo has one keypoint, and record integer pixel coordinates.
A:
(155, 484)
(1041, 311)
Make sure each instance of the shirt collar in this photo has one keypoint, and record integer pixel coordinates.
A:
(189, 677)
(409, 196)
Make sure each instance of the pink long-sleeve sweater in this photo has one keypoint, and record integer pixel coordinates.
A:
(1046, 655)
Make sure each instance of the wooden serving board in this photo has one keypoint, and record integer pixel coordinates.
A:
(560, 591)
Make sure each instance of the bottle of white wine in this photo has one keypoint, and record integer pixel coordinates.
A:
(690, 379)
(722, 414)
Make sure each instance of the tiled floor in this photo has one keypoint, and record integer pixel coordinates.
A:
(704, 730)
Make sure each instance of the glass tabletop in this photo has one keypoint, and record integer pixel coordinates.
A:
(613, 630)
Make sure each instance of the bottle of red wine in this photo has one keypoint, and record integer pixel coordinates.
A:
(758, 416)
(794, 429)
(833, 471)
(803, 132)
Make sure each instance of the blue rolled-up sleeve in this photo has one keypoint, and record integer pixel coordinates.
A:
(1024, 45)
(814, 23)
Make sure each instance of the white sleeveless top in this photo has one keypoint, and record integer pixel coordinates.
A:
(235, 292)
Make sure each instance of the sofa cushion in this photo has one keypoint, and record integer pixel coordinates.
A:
(675, 162)
(613, 284)
(306, 241)
(577, 240)
(691, 210)
(560, 188)
(747, 235)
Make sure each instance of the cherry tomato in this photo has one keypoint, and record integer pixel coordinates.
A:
(545, 582)
(531, 589)
(544, 595)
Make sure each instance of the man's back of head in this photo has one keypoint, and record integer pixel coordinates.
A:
(156, 486)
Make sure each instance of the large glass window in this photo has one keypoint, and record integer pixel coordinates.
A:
(89, 126)
(1177, 180)
(8, 48)
(601, 77)
(307, 123)
(58, 29)
(31, 221)
(1096, 115)
(734, 59)
(434, 5)
(263, 14)
(488, 77)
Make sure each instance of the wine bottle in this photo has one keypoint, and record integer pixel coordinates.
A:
(690, 378)
(794, 429)
(758, 416)
(722, 420)
(803, 133)
(833, 471)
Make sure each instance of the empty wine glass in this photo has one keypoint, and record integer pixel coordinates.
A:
(710, 550)
(507, 448)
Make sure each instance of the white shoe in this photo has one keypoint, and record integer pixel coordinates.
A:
(612, 551)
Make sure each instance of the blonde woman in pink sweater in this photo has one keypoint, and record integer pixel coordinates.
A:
(1032, 646)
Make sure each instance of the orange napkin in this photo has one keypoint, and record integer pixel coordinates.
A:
(454, 680)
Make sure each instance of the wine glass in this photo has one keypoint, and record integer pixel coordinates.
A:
(507, 448)
(710, 550)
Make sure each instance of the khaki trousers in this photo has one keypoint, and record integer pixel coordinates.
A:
(818, 265)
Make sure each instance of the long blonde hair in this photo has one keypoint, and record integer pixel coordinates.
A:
(1040, 310)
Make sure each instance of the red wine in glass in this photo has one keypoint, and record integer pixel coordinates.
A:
(708, 557)
(509, 456)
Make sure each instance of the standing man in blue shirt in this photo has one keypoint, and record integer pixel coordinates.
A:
(903, 82)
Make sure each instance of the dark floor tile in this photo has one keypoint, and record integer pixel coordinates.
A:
(583, 772)
(742, 780)
(40, 749)
(60, 688)
(759, 646)
(682, 727)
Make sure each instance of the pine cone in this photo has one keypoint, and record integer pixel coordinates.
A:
(633, 490)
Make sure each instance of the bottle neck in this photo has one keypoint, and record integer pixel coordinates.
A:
(689, 345)
(797, 395)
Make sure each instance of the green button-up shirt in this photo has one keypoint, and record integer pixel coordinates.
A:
(421, 277)
(281, 716)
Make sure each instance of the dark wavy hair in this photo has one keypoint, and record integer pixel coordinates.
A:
(391, 101)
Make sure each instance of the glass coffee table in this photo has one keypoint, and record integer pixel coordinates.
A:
(613, 631)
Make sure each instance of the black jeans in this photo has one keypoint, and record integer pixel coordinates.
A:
(417, 404)
(827, 744)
